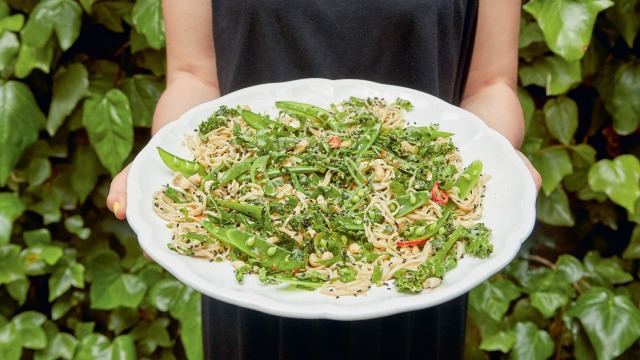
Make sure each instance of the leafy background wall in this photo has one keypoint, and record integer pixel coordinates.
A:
(79, 81)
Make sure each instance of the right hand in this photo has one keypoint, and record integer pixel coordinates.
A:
(117, 198)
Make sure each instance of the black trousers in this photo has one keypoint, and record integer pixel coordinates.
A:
(232, 332)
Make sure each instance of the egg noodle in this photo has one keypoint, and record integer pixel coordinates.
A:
(338, 199)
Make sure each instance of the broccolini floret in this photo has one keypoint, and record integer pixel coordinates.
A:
(217, 120)
(477, 238)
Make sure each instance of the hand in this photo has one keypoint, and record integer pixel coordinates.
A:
(537, 179)
(117, 198)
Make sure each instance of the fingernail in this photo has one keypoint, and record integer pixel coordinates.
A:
(116, 206)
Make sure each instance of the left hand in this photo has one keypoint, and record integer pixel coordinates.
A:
(537, 179)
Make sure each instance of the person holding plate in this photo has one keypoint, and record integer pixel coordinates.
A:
(464, 52)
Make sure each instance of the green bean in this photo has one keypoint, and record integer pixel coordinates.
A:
(442, 253)
(355, 173)
(283, 170)
(177, 164)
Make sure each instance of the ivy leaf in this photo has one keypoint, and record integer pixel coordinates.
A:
(62, 16)
(10, 344)
(20, 122)
(38, 171)
(553, 209)
(605, 271)
(18, 290)
(531, 342)
(110, 286)
(583, 155)
(153, 60)
(183, 304)
(530, 33)
(86, 171)
(143, 92)
(65, 275)
(500, 341)
(123, 347)
(37, 237)
(110, 13)
(121, 319)
(28, 327)
(147, 20)
(30, 57)
(9, 48)
(612, 322)
(547, 302)
(87, 5)
(70, 85)
(62, 346)
(97, 346)
(633, 249)
(12, 23)
(494, 297)
(163, 294)
(553, 164)
(150, 335)
(107, 119)
(528, 105)
(38, 258)
(11, 208)
(625, 17)
(553, 73)
(569, 268)
(561, 118)
(623, 106)
(11, 264)
(524, 312)
(618, 178)
(567, 25)
(66, 302)
(75, 225)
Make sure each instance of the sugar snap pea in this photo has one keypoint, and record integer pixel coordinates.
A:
(255, 211)
(367, 139)
(315, 113)
(468, 178)
(410, 202)
(234, 171)
(178, 164)
(255, 247)
(256, 121)
(259, 168)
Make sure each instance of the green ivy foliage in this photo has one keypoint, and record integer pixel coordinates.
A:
(573, 291)
(78, 83)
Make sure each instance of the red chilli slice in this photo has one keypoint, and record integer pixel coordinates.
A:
(411, 242)
(439, 196)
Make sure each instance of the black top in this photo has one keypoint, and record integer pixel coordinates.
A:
(421, 44)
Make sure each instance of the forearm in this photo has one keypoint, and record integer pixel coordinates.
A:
(491, 88)
(181, 94)
(192, 77)
(498, 106)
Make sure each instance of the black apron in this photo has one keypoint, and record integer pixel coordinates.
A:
(421, 44)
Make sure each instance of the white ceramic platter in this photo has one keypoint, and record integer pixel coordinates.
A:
(509, 204)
